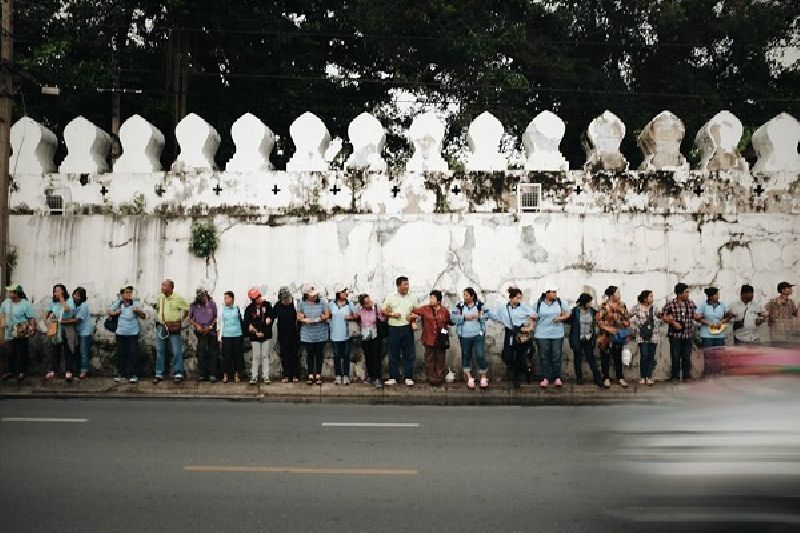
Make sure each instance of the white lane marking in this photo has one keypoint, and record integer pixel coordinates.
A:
(12, 419)
(371, 424)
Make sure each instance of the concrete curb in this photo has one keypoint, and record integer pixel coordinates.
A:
(357, 393)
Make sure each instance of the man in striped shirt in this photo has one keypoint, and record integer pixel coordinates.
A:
(680, 314)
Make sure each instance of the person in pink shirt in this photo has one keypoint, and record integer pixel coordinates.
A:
(369, 317)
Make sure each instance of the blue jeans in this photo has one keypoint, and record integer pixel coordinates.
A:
(550, 357)
(401, 340)
(712, 358)
(709, 342)
(647, 359)
(85, 344)
(473, 346)
(341, 358)
(176, 347)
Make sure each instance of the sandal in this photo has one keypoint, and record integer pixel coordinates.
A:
(310, 380)
(50, 375)
(471, 383)
(224, 378)
(319, 380)
(236, 378)
(295, 380)
(285, 380)
(82, 376)
(484, 382)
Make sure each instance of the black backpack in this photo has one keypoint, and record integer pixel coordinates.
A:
(111, 323)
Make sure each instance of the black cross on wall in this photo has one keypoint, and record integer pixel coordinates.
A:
(217, 189)
(698, 190)
(455, 189)
(275, 189)
(395, 190)
(578, 189)
(160, 190)
(759, 190)
(103, 190)
(335, 189)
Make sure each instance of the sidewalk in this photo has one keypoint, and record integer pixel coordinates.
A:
(419, 394)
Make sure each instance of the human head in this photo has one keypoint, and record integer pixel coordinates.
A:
(255, 295)
(585, 299)
(127, 293)
(364, 300)
(79, 295)
(551, 293)
(682, 291)
(746, 294)
(612, 293)
(435, 297)
(15, 292)
(58, 288)
(228, 298)
(201, 297)
(470, 296)
(712, 294)
(785, 288)
(285, 295)
(402, 285)
(310, 292)
(514, 295)
(167, 286)
(645, 297)
(341, 292)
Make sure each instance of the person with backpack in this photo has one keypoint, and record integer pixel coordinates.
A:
(313, 314)
(373, 330)
(284, 316)
(549, 334)
(518, 319)
(342, 314)
(126, 328)
(19, 324)
(203, 319)
(470, 323)
(645, 327)
(613, 320)
(435, 335)
(258, 325)
(229, 325)
(583, 338)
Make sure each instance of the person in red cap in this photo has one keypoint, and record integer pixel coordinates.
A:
(258, 326)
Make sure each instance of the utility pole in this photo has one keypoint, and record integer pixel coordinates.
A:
(6, 92)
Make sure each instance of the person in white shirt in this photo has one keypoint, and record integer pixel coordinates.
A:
(748, 316)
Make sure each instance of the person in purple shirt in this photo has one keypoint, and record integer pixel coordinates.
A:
(202, 317)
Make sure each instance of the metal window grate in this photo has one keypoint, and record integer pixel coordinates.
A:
(55, 202)
(529, 197)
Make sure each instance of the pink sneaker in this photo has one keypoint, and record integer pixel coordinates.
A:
(50, 375)
(484, 382)
(544, 383)
(471, 383)
(558, 382)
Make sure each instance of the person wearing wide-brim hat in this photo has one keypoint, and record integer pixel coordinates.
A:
(583, 338)
(19, 321)
(313, 314)
(285, 318)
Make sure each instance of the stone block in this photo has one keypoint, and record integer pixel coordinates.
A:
(32, 148)
(87, 148)
(718, 142)
(541, 140)
(776, 145)
(142, 144)
(198, 142)
(483, 138)
(660, 142)
(601, 144)
(426, 135)
(254, 142)
(311, 140)
(368, 139)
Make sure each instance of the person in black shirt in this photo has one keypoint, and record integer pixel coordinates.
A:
(285, 315)
(258, 326)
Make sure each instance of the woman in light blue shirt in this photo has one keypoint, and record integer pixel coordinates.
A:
(65, 339)
(470, 320)
(714, 317)
(342, 312)
(517, 318)
(84, 326)
(229, 325)
(20, 323)
(128, 312)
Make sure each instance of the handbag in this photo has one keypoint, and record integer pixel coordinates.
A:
(173, 327)
(627, 356)
(646, 329)
(52, 329)
(621, 336)
(20, 331)
(521, 334)
(442, 335)
(111, 323)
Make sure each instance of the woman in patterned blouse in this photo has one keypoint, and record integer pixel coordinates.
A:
(612, 317)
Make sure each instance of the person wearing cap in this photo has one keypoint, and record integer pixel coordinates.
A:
(285, 316)
(84, 327)
(129, 311)
(61, 310)
(645, 325)
(171, 309)
(342, 312)
(258, 326)
(203, 318)
(313, 314)
(397, 308)
(229, 325)
(583, 338)
(19, 322)
(781, 313)
(714, 317)
(748, 316)
(551, 314)
(680, 314)
(613, 320)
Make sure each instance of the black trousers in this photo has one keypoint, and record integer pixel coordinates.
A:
(585, 350)
(127, 355)
(373, 357)
(680, 352)
(515, 356)
(614, 352)
(70, 357)
(18, 350)
(233, 355)
(315, 351)
(206, 355)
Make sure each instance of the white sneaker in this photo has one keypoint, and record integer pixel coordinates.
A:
(338, 380)
(391, 382)
(409, 382)
(346, 380)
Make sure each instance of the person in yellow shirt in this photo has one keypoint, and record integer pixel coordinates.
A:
(171, 310)
(397, 308)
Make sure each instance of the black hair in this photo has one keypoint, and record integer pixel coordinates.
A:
(472, 293)
(361, 298)
(81, 292)
(513, 292)
(680, 287)
(711, 291)
(229, 293)
(400, 280)
(644, 295)
(747, 289)
(436, 294)
(584, 298)
(611, 290)
(336, 296)
(63, 290)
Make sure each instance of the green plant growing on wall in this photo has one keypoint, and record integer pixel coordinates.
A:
(135, 206)
(203, 239)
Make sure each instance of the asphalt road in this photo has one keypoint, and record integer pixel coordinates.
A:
(199, 466)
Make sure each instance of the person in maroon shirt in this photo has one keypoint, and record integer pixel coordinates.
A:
(435, 320)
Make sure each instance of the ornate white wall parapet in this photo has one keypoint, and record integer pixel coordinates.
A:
(198, 142)
(717, 141)
(87, 148)
(426, 134)
(541, 140)
(602, 142)
(368, 139)
(483, 137)
(311, 140)
(776, 145)
(142, 144)
(254, 142)
(660, 142)
(32, 148)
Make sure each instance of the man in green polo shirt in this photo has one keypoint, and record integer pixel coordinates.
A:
(397, 307)
(171, 309)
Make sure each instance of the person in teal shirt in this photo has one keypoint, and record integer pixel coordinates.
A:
(84, 326)
(229, 325)
(65, 339)
(714, 316)
(20, 324)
